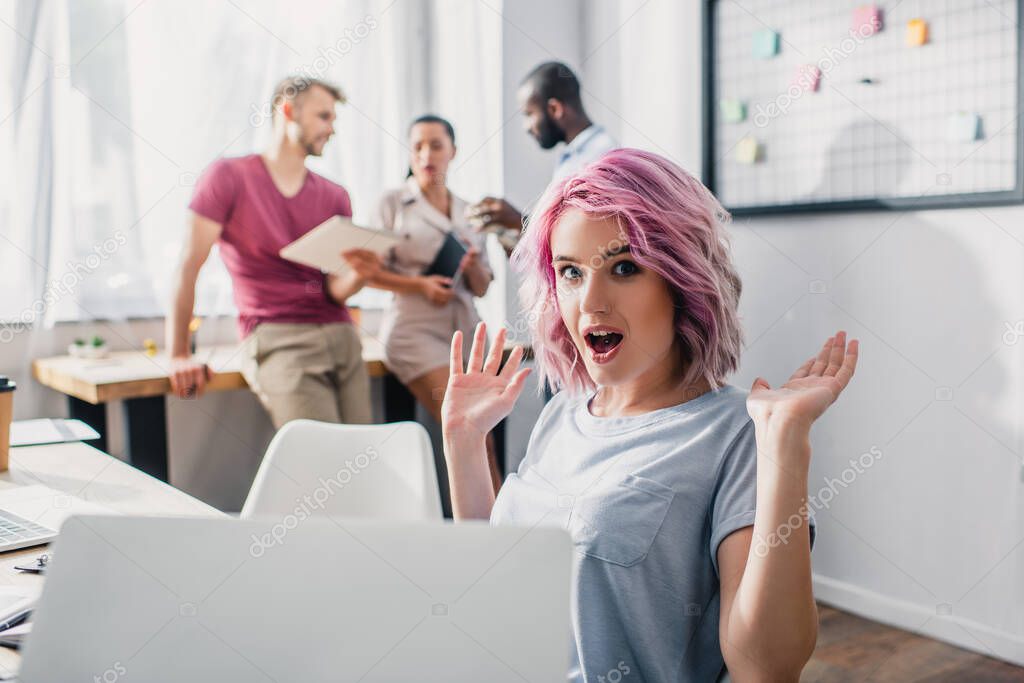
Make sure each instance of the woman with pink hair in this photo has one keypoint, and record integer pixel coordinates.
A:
(650, 460)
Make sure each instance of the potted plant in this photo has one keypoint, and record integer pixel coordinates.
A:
(96, 347)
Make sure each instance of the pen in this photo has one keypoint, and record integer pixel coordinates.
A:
(16, 619)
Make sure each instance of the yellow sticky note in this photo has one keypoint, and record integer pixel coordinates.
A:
(917, 32)
(748, 150)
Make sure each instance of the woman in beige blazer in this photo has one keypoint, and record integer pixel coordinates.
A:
(427, 309)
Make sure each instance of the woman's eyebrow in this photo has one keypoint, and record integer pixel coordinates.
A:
(624, 249)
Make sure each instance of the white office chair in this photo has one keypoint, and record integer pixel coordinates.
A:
(383, 472)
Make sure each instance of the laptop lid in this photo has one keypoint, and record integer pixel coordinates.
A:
(159, 599)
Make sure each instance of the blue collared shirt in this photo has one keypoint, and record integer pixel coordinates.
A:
(589, 145)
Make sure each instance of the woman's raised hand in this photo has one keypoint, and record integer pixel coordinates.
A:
(483, 394)
(810, 390)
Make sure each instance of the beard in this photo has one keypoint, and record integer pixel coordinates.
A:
(548, 133)
(309, 144)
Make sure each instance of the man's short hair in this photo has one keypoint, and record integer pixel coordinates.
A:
(555, 80)
(291, 87)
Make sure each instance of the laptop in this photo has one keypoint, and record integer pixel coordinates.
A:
(170, 600)
(31, 515)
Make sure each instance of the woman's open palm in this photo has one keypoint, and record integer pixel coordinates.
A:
(811, 389)
(483, 395)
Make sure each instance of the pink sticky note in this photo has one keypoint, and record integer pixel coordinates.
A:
(808, 78)
(867, 20)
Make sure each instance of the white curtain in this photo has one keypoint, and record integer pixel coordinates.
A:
(139, 97)
(111, 109)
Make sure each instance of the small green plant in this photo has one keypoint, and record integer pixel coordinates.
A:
(97, 341)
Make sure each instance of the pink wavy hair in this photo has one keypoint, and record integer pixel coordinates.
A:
(674, 226)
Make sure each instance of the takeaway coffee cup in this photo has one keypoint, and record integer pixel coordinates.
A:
(7, 387)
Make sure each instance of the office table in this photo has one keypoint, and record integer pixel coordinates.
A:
(141, 382)
(82, 472)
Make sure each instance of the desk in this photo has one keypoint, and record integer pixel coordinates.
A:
(83, 472)
(142, 383)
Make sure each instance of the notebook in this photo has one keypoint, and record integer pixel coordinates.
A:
(47, 430)
(448, 258)
(321, 247)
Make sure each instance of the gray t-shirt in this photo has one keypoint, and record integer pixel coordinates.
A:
(647, 499)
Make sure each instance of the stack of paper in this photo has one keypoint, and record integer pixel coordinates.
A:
(45, 430)
(15, 610)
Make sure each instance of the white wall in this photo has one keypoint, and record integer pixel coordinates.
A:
(533, 31)
(930, 537)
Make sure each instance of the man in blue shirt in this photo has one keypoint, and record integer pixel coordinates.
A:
(550, 100)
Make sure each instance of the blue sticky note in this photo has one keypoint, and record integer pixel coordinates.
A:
(766, 44)
(733, 111)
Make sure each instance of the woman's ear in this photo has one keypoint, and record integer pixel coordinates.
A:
(455, 150)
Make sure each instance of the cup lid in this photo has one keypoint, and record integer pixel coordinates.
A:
(7, 384)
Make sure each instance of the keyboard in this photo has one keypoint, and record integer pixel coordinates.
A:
(18, 532)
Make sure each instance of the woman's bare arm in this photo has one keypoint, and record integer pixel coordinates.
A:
(769, 620)
(476, 400)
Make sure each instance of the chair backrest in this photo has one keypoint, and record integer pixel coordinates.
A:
(383, 472)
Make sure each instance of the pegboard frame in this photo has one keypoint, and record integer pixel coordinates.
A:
(907, 203)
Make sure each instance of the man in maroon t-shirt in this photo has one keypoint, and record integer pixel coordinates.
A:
(303, 358)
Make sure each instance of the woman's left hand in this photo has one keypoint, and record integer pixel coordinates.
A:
(810, 390)
(470, 259)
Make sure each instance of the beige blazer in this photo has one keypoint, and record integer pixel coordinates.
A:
(416, 333)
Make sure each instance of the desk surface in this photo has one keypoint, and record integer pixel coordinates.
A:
(133, 374)
(82, 472)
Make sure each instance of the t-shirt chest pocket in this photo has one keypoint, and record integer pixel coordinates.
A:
(618, 523)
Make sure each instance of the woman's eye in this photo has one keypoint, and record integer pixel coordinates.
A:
(625, 268)
(569, 272)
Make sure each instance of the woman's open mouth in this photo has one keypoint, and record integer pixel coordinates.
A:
(604, 343)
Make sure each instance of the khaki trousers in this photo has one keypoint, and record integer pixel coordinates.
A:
(306, 370)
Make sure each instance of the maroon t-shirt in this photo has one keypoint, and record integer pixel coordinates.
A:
(257, 222)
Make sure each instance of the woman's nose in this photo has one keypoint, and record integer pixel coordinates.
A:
(594, 297)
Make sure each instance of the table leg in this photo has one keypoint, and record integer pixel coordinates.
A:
(92, 414)
(499, 448)
(399, 403)
(145, 435)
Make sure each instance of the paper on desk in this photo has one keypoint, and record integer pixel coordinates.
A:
(47, 430)
(15, 637)
(321, 247)
(13, 599)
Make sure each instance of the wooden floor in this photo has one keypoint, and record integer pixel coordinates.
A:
(855, 649)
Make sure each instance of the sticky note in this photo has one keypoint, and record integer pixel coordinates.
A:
(917, 32)
(748, 150)
(963, 127)
(733, 111)
(766, 44)
(867, 20)
(808, 78)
